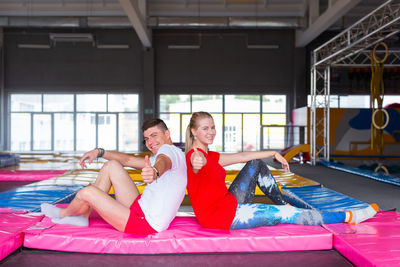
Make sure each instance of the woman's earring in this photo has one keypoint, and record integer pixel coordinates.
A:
(195, 137)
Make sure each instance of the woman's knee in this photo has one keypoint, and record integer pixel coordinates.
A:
(256, 163)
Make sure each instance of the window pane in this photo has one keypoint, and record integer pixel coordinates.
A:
(185, 123)
(217, 144)
(242, 103)
(91, 102)
(251, 132)
(175, 103)
(173, 123)
(276, 119)
(30, 102)
(128, 132)
(233, 129)
(274, 137)
(390, 99)
(354, 101)
(209, 103)
(63, 131)
(85, 131)
(20, 132)
(274, 103)
(41, 132)
(107, 131)
(120, 103)
(58, 102)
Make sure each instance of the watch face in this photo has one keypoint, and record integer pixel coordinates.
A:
(157, 173)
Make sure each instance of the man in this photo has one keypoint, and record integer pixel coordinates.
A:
(130, 212)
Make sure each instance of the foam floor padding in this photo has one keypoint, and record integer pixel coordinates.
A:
(184, 235)
(321, 198)
(374, 242)
(11, 228)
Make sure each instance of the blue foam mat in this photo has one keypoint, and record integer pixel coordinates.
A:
(321, 198)
(29, 197)
(366, 173)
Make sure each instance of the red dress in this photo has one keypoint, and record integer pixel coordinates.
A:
(213, 205)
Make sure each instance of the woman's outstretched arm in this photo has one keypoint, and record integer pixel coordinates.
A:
(228, 159)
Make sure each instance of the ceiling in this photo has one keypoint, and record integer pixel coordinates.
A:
(308, 17)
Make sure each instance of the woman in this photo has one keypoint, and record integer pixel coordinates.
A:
(217, 207)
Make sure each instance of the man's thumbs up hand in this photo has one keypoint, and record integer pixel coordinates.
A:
(148, 173)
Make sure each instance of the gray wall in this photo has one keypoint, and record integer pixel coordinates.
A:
(73, 66)
(224, 63)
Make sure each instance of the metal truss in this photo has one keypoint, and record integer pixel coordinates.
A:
(320, 93)
(377, 26)
(349, 48)
(363, 59)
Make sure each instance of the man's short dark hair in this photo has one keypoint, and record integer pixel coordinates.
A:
(154, 122)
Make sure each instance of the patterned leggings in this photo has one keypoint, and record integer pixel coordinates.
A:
(251, 215)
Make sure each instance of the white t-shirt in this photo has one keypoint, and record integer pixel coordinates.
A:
(161, 199)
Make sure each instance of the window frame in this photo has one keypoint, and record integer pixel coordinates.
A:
(74, 113)
(223, 113)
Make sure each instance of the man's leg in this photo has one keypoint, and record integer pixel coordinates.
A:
(112, 211)
(111, 174)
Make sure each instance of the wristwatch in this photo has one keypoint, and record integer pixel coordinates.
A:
(157, 172)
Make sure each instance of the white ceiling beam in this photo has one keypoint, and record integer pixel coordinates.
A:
(220, 8)
(56, 9)
(136, 12)
(334, 12)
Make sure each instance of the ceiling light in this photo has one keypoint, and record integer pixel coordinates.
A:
(34, 46)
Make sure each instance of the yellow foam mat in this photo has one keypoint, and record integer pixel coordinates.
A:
(74, 177)
(290, 179)
(282, 178)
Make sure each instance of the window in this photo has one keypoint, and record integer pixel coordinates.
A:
(74, 122)
(343, 101)
(240, 120)
(391, 99)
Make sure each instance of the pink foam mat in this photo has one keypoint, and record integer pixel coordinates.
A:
(184, 235)
(31, 175)
(12, 226)
(375, 242)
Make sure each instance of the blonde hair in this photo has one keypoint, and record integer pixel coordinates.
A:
(193, 125)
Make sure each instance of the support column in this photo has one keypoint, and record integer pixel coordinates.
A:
(149, 96)
(3, 116)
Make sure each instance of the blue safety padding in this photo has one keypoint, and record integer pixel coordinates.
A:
(366, 173)
(8, 160)
(29, 197)
(321, 198)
